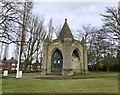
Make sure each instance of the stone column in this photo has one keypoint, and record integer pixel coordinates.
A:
(85, 64)
(45, 58)
(67, 57)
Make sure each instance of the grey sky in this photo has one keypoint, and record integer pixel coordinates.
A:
(77, 13)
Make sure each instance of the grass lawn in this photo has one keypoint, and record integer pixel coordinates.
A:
(89, 83)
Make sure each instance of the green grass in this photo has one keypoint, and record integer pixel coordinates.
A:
(92, 83)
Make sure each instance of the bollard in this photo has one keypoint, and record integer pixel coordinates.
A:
(20, 74)
(5, 73)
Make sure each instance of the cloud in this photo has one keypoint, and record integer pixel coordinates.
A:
(82, 12)
(77, 13)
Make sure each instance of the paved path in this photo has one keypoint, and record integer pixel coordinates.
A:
(38, 75)
(33, 75)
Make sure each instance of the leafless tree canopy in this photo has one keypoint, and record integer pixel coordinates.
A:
(111, 21)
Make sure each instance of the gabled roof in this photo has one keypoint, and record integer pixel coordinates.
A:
(65, 32)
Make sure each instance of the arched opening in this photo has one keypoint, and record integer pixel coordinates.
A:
(76, 60)
(56, 62)
(75, 54)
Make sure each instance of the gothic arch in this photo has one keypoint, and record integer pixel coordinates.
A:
(76, 53)
(56, 61)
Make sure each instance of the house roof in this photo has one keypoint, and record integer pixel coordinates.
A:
(65, 32)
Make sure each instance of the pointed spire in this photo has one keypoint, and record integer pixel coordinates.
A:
(83, 41)
(47, 39)
(65, 32)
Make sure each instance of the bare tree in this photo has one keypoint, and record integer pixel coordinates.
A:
(118, 59)
(111, 21)
(4, 50)
(36, 36)
(98, 45)
(50, 29)
(1, 50)
(57, 30)
(26, 15)
(9, 20)
(89, 33)
(86, 31)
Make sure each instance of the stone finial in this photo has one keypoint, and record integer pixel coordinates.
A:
(66, 20)
(83, 39)
(47, 39)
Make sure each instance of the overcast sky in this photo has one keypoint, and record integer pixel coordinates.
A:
(77, 13)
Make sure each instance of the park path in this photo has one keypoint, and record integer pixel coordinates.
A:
(33, 75)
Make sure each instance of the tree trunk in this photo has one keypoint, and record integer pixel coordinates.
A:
(97, 66)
